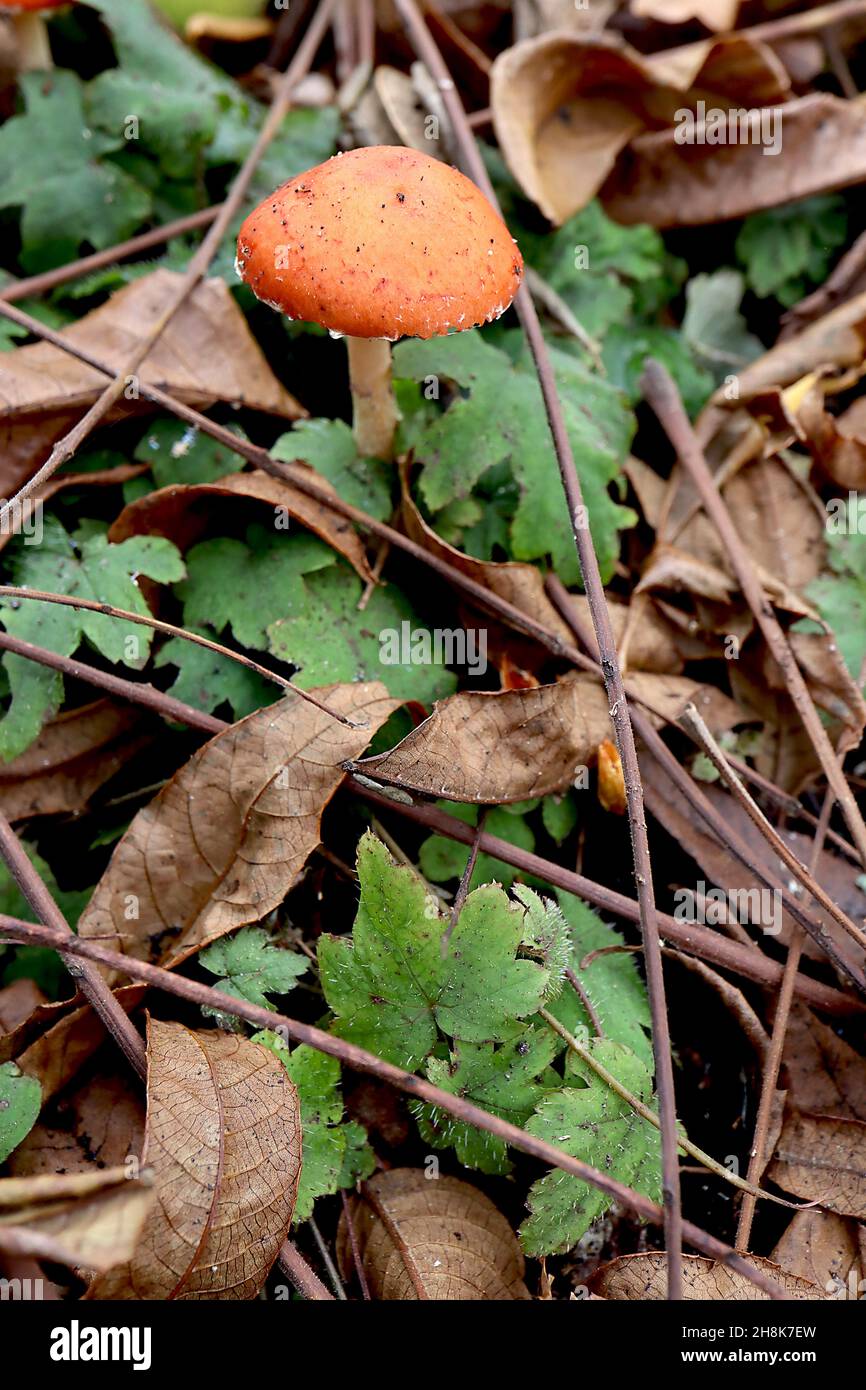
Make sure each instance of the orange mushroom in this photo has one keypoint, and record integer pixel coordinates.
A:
(31, 36)
(375, 245)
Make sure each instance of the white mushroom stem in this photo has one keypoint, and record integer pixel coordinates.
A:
(374, 407)
(31, 38)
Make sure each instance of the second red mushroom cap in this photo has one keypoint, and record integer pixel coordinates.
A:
(381, 242)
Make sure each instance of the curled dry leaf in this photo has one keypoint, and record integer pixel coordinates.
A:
(822, 1158)
(565, 106)
(820, 145)
(94, 1219)
(223, 1140)
(226, 838)
(431, 1240)
(186, 513)
(510, 745)
(206, 354)
(826, 1249)
(836, 340)
(644, 1277)
(72, 757)
(518, 583)
(837, 443)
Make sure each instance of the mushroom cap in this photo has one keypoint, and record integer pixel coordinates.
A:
(20, 6)
(381, 242)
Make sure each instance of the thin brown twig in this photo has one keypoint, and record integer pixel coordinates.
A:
(91, 983)
(11, 929)
(300, 1275)
(758, 1155)
(700, 941)
(664, 398)
(428, 51)
(145, 241)
(349, 1219)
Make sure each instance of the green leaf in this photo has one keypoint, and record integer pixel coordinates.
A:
(177, 453)
(788, 249)
(498, 417)
(840, 595)
(147, 47)
(291, 595)
(207, 680)
(713, 325)
(323, 633)
(441, 859)
(589, 1121)
(333, 1154)
(38, 963)
(246, 586)
(546, 937)
(171, 123)
(504, 1080)
(87, 566)
(389, 984)
(612, 983)
(596, 265)
(627, 347)
(559, 815)
(250, 967)
(329, 447)
(51, 166)
(20, 1102)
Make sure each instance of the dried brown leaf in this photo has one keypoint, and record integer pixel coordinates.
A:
(100, 1122)
(74, 755)
(226, 838)
(822, 1158)
(206, 354)
(510, 745)
(92, 1219)
(825, 1074)
(57, 1054)
(186, 513)
(644, 1277)
(823, 1248)
(565, 106)
(438, 1240)
(223, 1140)
(822, 146)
